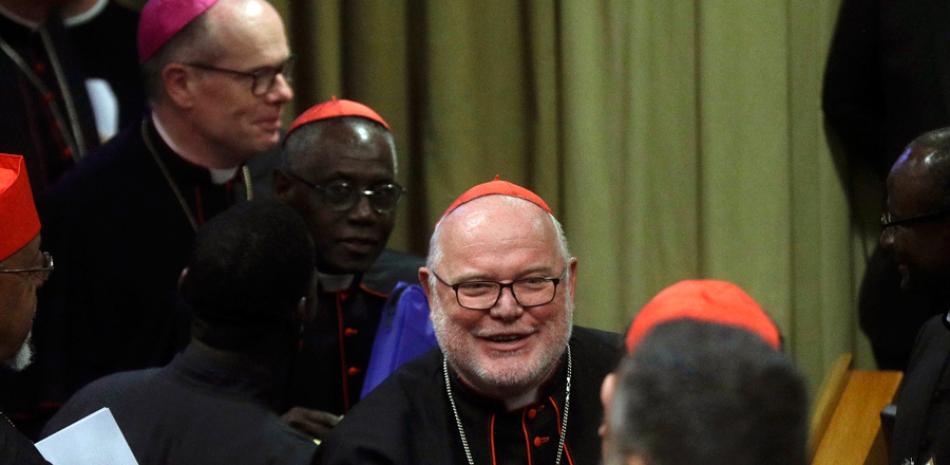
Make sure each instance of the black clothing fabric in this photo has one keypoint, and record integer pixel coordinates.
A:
(15, 448)
(120, 239)
(204, 407)
(887, 81)
(922, 426)
(106, 45)
(408, 418)
(337, 344)
(890, 316)
(888, 76)
(29, 125)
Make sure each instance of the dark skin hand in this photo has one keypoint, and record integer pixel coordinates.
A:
(315, 423)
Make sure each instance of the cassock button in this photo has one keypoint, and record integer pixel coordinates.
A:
(540, 440)
(353, 371)
(350, 332)
(532, 413)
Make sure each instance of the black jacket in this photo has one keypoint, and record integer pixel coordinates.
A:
(922, 426)
(203, 408)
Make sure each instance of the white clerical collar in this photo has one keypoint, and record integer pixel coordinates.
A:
(31, 25)
(334, 282)
(222, 175)
(87, 15)
(218, 175)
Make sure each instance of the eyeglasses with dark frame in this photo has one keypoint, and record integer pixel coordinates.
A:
(341, 195)
(484, 294)
(262, 79)
(888, 220)
(41, 272)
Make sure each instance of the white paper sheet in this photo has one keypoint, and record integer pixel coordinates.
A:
(93, 440)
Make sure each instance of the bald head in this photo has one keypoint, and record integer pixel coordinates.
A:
(494, 211)
(917, 223)
(307, 145)
(925, 163)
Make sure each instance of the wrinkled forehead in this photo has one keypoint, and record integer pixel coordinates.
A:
(498, 218)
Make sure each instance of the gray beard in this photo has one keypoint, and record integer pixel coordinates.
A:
(23, 357)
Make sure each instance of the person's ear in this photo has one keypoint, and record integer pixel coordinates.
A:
(424, 282)
(179, 85)
(573, 277)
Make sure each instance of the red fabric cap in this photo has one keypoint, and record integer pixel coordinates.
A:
(162, 19)
(704, 300)
(336, 108)
(19, 223)
(498, 187)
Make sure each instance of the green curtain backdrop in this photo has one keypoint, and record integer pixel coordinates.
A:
(674, 138)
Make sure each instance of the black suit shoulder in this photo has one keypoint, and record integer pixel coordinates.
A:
(915, 398)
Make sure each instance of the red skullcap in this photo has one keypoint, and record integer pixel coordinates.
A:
(704, 300)
(498, 187)
(336, 108)
(162, 19)
(19, 223)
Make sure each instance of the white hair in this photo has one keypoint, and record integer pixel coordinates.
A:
(23, 357)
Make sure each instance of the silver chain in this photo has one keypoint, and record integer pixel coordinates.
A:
(458, 419)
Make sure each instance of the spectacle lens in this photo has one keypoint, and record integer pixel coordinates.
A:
(342, 196)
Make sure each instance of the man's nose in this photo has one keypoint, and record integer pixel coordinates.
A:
(362, 210)
(507, 307)
(282, 91)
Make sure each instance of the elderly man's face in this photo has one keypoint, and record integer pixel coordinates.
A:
(352, 151)
(921, 248)
(507, 350)
(225, 112)
(18, 299)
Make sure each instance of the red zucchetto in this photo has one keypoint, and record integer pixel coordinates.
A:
(336, 108)
(498, 187)
(162, 19)
(19, 223)
(704, 300)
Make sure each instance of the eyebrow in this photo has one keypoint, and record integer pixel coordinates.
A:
(478, 276)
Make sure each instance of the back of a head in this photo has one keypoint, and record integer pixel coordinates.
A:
(249, 268)
(700, 393)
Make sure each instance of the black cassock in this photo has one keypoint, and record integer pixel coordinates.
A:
(408, 418)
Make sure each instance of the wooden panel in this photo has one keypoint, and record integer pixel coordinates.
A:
(854, 433)
(829, 393)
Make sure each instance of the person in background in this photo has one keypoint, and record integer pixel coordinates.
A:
(125, 218)
(45, 111)
(246, 283)
(916, 230)
(701, 393)
(103, 33)
(887, 81)
(23, 269)
(705, 383)
(339, 172)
